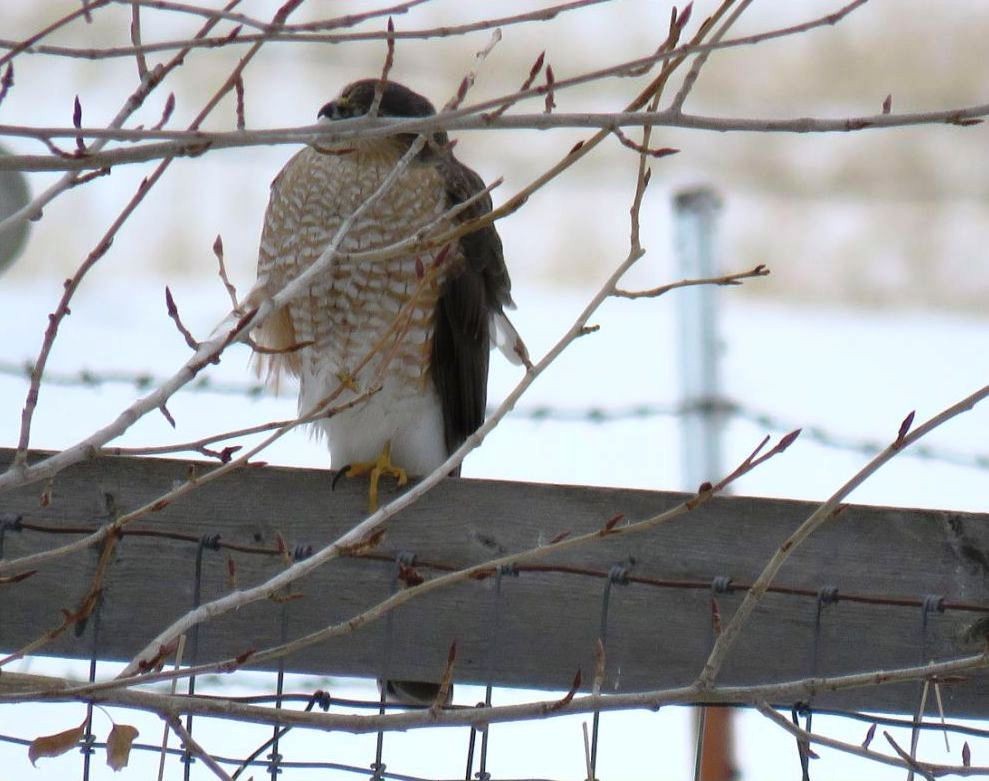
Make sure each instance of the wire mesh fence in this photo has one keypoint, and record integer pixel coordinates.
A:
(478, 746)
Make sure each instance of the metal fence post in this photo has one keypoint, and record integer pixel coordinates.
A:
(696, 213)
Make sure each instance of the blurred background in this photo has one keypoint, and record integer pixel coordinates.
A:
(876, 240)
(826, 213)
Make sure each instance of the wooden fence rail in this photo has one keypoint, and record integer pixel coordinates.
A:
(541, 625)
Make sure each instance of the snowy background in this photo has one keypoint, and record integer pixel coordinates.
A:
(876, 307)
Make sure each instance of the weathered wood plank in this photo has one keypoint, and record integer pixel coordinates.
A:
(547, 622)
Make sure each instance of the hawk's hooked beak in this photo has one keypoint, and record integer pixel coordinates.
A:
(341, 108)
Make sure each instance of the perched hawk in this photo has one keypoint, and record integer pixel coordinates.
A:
(420, 325)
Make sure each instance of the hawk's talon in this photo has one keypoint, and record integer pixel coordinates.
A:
(341, 472)
(348, 381)
(376, 469)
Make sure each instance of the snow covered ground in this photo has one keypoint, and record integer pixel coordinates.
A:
(852, 374)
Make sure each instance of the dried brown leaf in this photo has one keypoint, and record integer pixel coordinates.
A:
(55, 745)
(118, 745)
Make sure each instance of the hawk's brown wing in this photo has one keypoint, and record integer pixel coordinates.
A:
(467, 305)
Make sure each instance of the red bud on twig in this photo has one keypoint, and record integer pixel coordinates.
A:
(684, 16)
(46, 494)
(166, 112)
(7, 81)
(888, 104)
(568, 696)
(788, 440)
(904, 430)
(239, 91)
(231, 572)
(77, 124)
(443, 693)
(550, 82)
(282, 548)
(869, 736)
(613, 521)
(167, 415)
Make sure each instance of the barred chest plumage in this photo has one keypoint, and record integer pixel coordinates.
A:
(369, 321)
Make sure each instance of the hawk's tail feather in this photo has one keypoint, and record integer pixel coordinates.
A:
(507, 339)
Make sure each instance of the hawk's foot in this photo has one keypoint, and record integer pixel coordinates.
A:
(348, 381)
(378, 468)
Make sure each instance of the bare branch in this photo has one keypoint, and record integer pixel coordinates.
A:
(864, 752)
(826, 511)
(135, 37)
(16, 687)
(193, 746)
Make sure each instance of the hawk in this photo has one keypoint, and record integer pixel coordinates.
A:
(418, 326)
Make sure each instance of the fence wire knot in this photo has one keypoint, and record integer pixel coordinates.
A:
(210, 542)
(87, 746)
(827, 595)
(721, 584)
(619, 573)
(11, 521)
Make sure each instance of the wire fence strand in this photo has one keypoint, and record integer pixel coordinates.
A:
(536, 413)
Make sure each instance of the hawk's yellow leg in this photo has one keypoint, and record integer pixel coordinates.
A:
(376, 469)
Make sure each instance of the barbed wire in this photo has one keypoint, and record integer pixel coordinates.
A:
(596, 414)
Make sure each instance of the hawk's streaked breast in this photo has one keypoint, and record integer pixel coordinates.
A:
(352, 306)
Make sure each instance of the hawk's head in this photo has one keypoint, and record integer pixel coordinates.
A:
(397, 100)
